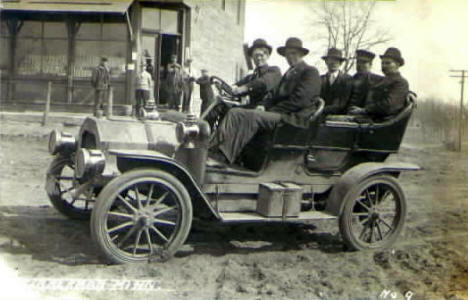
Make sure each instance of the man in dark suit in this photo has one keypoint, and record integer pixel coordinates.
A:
(336, 85)
(292, 102)
(362, 80)
(387, 97)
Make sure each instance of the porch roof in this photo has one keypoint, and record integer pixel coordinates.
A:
(80, 6)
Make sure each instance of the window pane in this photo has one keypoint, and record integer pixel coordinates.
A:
(114, 31)
(151, 18)
(117, 54)
(28, 56)
(89, 31)
(169, 21)
(87, 57)
(4, 53)
(55, 30)
(4, 29)
(54, 61)
(31, 29)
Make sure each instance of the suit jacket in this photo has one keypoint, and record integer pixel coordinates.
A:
(263, 80)
(336, 95)
(388, 97)
(296, 95)
(360, 86)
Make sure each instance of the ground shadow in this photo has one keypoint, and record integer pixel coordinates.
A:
(45, 235)
(48, 236)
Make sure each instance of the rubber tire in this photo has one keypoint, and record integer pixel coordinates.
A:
(350, 240)
(65, 208)
(106, 198)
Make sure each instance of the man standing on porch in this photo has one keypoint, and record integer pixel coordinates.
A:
(100, 80)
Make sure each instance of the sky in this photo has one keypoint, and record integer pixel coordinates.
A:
(431, 34)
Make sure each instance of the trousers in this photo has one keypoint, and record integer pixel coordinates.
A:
(99, 99)
(239, 126)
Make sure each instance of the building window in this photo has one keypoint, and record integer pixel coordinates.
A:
(42, 49)
(161, 20)
(4, 46)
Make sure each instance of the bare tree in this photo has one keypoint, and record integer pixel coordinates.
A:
(349, 25)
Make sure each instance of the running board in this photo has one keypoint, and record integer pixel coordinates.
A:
(250, 216)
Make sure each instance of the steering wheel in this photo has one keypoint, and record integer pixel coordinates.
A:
(225, 92)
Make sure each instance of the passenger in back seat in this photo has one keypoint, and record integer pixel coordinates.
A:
(388, 96)
(362, 80)
(336, 85)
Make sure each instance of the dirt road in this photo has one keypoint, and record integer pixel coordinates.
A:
(429, 261)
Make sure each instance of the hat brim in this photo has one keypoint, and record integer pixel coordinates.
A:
(399, 60)
(281, 50)
(332, 56)
(251, 49)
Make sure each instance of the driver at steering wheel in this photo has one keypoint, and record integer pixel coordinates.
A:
(264, 78)
(257, 85)
(292, 103)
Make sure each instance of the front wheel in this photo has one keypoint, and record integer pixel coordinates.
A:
(140, 215)
(374, 213)
(64, 193)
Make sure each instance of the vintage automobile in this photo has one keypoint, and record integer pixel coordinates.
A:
(142, 181)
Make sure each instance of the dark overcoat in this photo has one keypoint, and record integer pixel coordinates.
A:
(335, 95)
(296, 95)
(387, 97)
(263, 80)
(360, 86)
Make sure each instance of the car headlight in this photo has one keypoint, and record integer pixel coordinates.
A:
(89, 162)
(61, 142)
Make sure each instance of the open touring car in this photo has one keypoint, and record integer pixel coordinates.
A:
(143, 181)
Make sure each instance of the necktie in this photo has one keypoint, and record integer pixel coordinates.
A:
(332, 78)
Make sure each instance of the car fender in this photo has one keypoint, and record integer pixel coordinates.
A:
(356, 174)
(131, 159)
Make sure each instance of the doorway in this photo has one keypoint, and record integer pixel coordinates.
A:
(157, 50)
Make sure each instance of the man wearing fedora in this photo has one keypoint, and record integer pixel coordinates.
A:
(292, 102)
(387, 97)
(257, 85)
(336, 85)
(264, 78)
(362, 80)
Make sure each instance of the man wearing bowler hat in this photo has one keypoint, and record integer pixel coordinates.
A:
(387, 97)
(362, 80)
(336, 85)
(292, 102)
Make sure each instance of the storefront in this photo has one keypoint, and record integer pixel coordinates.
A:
(62, 42)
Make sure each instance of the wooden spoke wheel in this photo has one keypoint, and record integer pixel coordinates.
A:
(140, 215)
(68, 197)
(374, 213)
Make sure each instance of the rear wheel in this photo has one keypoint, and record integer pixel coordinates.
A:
(64, 193)
(374, 213)
(140, 215)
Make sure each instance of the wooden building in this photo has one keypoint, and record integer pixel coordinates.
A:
(62, 41)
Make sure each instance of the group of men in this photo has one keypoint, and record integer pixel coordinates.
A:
(292, 97)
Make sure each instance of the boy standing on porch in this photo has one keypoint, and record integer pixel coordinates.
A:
(143, 87)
